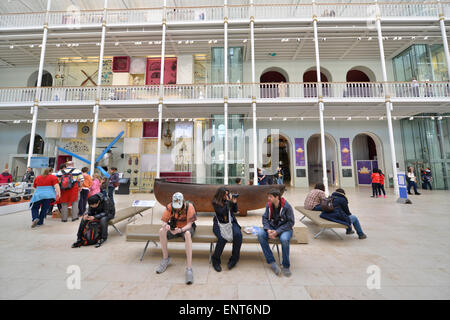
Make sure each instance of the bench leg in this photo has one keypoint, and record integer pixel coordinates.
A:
(145, 249)
(211, 249)
(117, 230)
(319, 233)
(301, 219)
(275, 245)
(337, 234)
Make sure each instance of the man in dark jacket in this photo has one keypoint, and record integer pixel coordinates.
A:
(113, 183)
(100, 208)
(341, 214)
(278, 221)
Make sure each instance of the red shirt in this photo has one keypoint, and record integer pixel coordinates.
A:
(381, 179)
(44, 181)
(375, 178)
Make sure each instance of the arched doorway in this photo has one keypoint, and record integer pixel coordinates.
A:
(24, 145)
(47, 79)
(276, 152)
(310, 90)
(367, 154)
(314, 154)
(273, 83)
(358, 86)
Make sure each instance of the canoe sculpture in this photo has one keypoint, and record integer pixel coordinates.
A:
(250, 197)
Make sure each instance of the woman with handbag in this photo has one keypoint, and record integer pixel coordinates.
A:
(226, 228)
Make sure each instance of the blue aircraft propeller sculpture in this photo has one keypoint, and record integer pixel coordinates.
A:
(99, 158)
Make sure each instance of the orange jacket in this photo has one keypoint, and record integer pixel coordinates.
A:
(87, 183)
(375, 178)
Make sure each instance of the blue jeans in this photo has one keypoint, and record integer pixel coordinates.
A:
(356, 224)
(280, 180)
(285, 238)
(111, 193)
(43, 205)
(412, 184)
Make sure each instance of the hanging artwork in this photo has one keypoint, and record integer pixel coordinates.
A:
(300, 152)
(154, 71)
(121, 64)
(107, 74)
(346, 160)
(150, 130)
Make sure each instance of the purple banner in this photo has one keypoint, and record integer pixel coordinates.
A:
(300, 152)
(364, 169)
(346, 158)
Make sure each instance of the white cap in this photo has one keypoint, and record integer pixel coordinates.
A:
(177, 200)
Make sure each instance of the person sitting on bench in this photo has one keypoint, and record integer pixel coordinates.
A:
(178, 221)
(100, 208)
(341, 214)
(314, 197)
(225, 207)
(278, 221)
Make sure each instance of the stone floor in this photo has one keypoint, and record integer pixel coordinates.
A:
(409, 243)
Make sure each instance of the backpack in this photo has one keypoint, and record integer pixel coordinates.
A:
(327, 204)
(67, 181)
(91, 233)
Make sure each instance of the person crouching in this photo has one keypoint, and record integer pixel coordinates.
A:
(101, 208)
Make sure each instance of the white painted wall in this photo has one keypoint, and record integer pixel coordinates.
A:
(18, 77)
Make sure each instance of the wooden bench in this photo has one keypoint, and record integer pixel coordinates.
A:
(126, 213)
(324, 224)
(204, 234)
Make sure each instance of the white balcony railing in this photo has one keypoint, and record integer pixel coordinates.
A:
(278, 12)
(271, 92)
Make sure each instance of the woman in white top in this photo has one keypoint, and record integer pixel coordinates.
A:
(412, 181)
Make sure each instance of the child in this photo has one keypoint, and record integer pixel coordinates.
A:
(381, 184)
(95, 188)
(375, 183)
(104, 186)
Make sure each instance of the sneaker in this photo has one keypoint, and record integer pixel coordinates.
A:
(189, 276)
(77, 244)
(275, 268)
(385, 196)
(418, 194)
(350, 232)
(286, 272)
(362, 236)
(100, 242)
(34, 223)
(163, 265)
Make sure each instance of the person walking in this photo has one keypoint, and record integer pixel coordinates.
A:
(412, 181)
(95, 187)
(280, 175)
(70, 180)
(113, 182)
(85, 187)
(381, 184)
(225, 208)
(375, 183)
(427, 179)
(46, 189)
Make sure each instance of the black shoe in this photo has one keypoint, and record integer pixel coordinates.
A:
(63, 220)
(217, 266)
(231, 264)
(410, 193)
(74, 219)
(418, 194)
(349, 231)
(100, 242)
(77, 244)
(362, 236)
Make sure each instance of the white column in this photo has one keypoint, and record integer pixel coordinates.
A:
(255, 140)
(388, 105)
(161, 92)
(225, 104)
(96, 108)
(321, 106)
(34, 109)
(444, 38)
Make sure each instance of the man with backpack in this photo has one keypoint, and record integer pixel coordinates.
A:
(93, 227)
(70, 180)
(178, 222)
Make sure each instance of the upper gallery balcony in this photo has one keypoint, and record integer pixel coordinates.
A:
(262, 12)
(278, 93)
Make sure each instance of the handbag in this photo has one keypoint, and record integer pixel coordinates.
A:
(226, 229)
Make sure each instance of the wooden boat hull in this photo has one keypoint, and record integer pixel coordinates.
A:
(250, 197)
